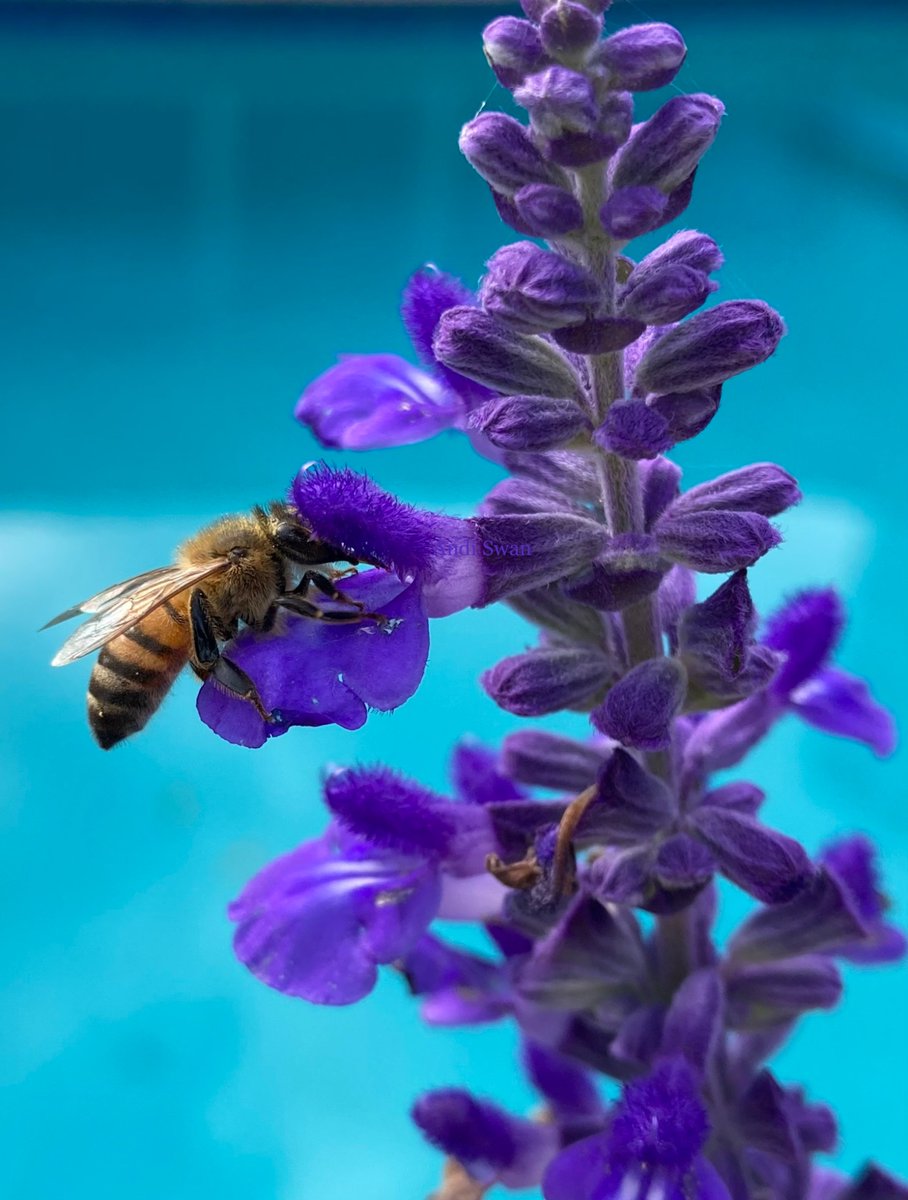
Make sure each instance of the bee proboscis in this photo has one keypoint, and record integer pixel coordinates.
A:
(244, 568)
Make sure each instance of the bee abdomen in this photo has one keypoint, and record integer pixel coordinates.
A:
(133, 674)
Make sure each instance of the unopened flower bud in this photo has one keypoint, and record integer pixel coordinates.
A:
(663, 151)
(479, 346)
(569, 29)
(686, 413)
(638, 711)
(531, 290)
(529, 550)
(547, 211)
(630, 569)
(542, 759)
(559, 101)
(686, 248)
(632, 211)
(547, 680)
(634, 430)
(501, 151)
(715, 542)
(531, 422)
(643, 57)
(611, 130)
(660, 297)
(513, 49)
(711, 347)
(761, 488)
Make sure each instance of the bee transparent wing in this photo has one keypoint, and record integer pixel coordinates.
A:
(103, 600)
(123, 605)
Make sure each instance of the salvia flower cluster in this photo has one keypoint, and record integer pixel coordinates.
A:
(590, 861)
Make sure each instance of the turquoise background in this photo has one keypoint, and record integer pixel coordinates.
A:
(200, 210)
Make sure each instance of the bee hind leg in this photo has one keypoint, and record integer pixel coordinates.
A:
(208, 659)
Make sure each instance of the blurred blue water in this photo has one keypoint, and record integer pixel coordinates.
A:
(201, 210)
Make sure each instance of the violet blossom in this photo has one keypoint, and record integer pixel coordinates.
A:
(582, 368)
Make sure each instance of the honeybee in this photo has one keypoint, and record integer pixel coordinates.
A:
(244, 568)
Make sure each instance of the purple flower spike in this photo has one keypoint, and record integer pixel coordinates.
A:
(493, 1146)
(548, 211)
(513, 49)
(543, 681)
(428, 294)
(317, 922)
(501, 151)
(369, 401)
(711, 347)
(715, 541)
(638, 711)
(316, 673)
(479, 346)
(531, 290)
(653, 1147)
(665, 150)
(643, 57)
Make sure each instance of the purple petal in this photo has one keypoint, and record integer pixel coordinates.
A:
(369, 401)
(693, 1024)
(577, 1173)
(841, 704)
(315, 673)
(490, 1143)
(478, 777)
(390, 811)
(661, 1121)
(313, 924)
(806, 630)
(348, 509)
(568, 1088)
(638, 711)
(428, 294)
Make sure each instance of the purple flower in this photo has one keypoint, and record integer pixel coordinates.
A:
(805, 631)
(317, 922)
(372, 400)
(853, 862)
(493, 1146)
(369, 401)
(653, 1147)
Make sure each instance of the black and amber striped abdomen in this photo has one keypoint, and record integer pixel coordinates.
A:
(135, 671)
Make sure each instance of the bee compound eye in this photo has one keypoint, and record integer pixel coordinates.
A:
(237, 553)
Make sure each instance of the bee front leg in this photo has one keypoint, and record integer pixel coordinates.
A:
(305, 608)
(208, 659)
(327, 586)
